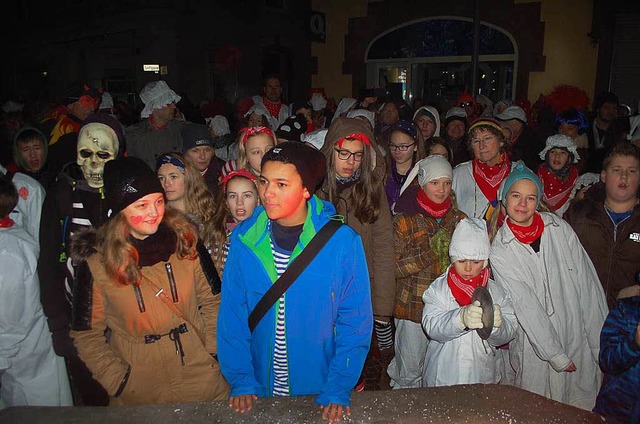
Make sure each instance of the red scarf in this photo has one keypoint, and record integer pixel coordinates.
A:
(461, 288)
(273, 108)
(528, 235)
(556, 191)
(251, 131)
(436, 210)
(6, 222)
(489, 177)
(156, 126)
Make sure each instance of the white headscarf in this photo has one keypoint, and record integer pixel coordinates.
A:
(428, 169)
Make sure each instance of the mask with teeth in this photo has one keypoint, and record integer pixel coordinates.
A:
(97, 144)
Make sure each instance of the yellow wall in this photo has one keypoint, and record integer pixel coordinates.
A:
(331, 54)
(570, 58)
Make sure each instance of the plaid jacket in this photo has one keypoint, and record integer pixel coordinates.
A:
(422, 254)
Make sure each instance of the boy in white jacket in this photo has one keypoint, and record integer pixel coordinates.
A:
(456, 354)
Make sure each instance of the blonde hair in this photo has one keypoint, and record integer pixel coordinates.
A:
(198, 199)
(121, 258)
(493, 221)
(242, 161)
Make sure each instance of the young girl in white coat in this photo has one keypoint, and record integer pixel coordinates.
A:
(456, 354)
(558, 299)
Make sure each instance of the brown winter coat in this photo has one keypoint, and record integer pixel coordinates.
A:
(150, 373)
(377, 237)
(417, 264)
(615, 253)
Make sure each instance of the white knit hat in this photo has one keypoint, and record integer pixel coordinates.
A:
(428, 169)
(156, 95)
(563, 142)
(470, 240)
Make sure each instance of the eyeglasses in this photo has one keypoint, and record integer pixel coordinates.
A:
(345, 155)
(401, 147)
(486, 140)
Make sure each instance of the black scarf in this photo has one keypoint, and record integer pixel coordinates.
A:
(157, 247)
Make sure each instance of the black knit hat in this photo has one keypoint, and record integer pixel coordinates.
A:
(309, 162)
(126, 181)
(195, 135)
(293, 128)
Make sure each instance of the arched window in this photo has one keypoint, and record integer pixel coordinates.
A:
(431, 59)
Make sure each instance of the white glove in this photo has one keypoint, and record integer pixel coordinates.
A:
(471, 316)
(497, 316)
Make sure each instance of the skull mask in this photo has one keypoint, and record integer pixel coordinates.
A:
(97, 144)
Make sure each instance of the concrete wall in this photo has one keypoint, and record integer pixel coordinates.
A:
(570, 58)
(331, 54)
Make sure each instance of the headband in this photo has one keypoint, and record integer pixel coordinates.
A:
(164, 159)
(251, 131)
(240, 173)
(355, 136)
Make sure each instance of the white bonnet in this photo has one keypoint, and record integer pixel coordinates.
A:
(219, 125)
(315, 138)
(156, 95)
(470, 240)
(318, 102)
(561, 141)
(368, 114)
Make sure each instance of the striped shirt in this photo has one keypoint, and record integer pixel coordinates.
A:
(280, 365)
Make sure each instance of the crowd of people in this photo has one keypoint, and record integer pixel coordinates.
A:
(292, 249)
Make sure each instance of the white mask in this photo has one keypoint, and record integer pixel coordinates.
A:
(97, 144)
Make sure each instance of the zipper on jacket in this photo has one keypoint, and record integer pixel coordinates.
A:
(172, 282)
(139, 299)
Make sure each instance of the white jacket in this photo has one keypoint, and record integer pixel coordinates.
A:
(30, 371)
(31, 197)
(560, 306)
(274, 123)
(469, 197)
(456, 356)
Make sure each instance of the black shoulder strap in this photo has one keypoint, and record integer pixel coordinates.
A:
(209, 268)
(292, 272)
(9, 175)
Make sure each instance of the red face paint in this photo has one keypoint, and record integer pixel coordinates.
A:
(135, 220)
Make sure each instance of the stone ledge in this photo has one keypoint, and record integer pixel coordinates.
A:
(456, 404)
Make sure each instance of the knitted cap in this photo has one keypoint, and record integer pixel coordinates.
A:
(126, 181)
(519, 172)
(406, 127)
(195, 135)
(111, 122)
(309, 162)
(470, 240)
(428, 169)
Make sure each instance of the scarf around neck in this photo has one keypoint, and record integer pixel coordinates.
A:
(556, 186)
(436, 210)
(6, 222)
(488, 178)
(529, 234)
(157, 247)
(462, 289)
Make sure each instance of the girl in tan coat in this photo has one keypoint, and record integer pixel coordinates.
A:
(143, 285)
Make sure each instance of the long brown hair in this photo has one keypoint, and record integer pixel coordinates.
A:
(121, 258)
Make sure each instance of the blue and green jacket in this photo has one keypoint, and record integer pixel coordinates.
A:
(328, 320)
(619, 397)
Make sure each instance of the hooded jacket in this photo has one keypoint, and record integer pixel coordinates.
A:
(43, 176)
(139, 363)
(328, 312)
(377, 237)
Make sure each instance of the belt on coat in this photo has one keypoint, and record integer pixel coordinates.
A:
(174, 335)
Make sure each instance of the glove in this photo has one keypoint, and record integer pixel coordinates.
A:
(497, 316)
(63, 344)
(471, 316)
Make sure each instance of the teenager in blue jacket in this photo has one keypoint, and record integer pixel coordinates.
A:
(318, 347)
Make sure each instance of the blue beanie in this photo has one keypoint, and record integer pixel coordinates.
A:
(519, 172)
